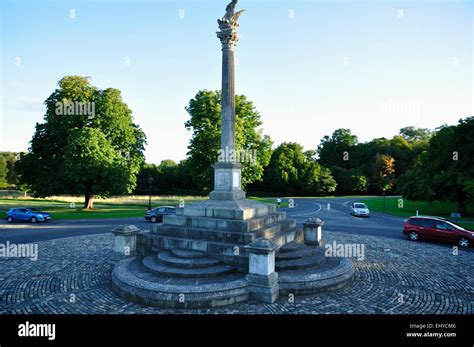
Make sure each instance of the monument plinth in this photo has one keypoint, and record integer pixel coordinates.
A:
(200, 256)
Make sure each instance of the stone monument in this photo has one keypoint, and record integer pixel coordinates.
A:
(212, 253)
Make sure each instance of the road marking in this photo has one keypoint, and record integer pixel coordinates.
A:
(309, 212)
(345, 204)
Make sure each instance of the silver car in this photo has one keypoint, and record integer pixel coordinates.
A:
(359, 209)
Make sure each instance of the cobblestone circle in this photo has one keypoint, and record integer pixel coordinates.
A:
(72, 276)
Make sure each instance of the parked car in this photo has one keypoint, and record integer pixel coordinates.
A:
(156, 215)
(359, 209)
(437, 229)
(27, 214)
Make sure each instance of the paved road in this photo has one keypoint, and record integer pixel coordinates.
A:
(27, 232)
(336, 217)
(335, 214)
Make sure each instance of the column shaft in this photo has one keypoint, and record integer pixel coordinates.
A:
(228, 100)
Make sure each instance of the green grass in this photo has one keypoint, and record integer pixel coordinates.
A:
(397, 206)
(283, 204)
(68, 208)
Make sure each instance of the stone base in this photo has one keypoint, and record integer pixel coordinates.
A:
(241, 209)
(221, 229)
(198, 258)
(227, 181)
(264, 288)
(225, 195)
(187, 279)
(179, 287)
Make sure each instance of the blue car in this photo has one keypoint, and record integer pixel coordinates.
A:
(157, 214)
(27, 214)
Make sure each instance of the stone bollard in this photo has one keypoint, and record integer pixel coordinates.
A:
(313, 231)
(262, 278)
(125, 241)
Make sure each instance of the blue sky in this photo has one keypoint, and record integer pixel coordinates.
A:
(310, 67)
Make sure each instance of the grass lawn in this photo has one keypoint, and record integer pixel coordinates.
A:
(284, 201)
(405, 208)
(116, 207)
(68, 207)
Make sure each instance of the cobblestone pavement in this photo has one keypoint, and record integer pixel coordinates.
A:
(72, 275)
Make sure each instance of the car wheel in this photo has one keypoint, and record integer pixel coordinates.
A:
(413, 235)
(10, 219)
(153, 219)
(463, 242)
(34, 219)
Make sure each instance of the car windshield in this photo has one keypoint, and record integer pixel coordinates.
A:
(360, 205)
(34, 210)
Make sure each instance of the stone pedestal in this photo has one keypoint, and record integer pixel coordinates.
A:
(227, 182)
(313, 231)
(125, 241)
(262, 278)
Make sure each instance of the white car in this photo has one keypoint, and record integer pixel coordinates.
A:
(359, 209)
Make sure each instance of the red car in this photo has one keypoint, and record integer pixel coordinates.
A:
(437, 229)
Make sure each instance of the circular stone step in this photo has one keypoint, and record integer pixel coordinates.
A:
(299, 254)
(291, 247)
(293, 250)
(169, 259)
(180, 253)
(151, 264)
(315, 258)
(132, 283)
(334, 274)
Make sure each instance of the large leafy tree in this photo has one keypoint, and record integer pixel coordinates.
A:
(415, 183)
(413, 134)
(205, 123)
(383, 169)
(168, 178)
(450, 163)
(292, 170)
(336, 150)
(77, 152)
(349, 181)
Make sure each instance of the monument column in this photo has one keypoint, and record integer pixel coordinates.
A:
(227, 171)
(228, 91)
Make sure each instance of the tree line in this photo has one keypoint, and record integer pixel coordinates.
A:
(103, 154)
(418, 163)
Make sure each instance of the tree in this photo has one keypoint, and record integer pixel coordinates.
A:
(337, 149)
(413, 134)
(168, 178)
(349, 181)
(91, 166)
(415, 183)
(205, 123)
(445, 170)
(11, 177)
(450, 160)
(383, 169)
(3, 171)
(293, 171)
(88, 144)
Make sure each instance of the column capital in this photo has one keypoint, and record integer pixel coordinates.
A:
(228, 37)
